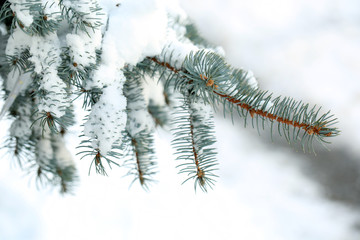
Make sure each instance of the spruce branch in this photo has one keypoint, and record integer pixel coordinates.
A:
(20, 150)
(210, 78)
(82, 17)
(61, 50)
(139, 131)
(159, 114)
(47, 119)
(193, 140)
(142, 165)
(87, 150)
(46, 19)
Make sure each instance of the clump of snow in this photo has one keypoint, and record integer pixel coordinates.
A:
(251, 80)
(106, 73)
(82, 47)
(16, 85)
(202, 110)
(22, 12)
(174, 9)
(17, 42)
(108, 118)
(45, 53)
(139, 118)
(51, 9)
(21, 126)
(175, 50)
(12, 77)
(44, 150)
(103, 76)
(83, 43)
(85, 11)
(56, 100)
(63, 156)
(136, 28)
(153, 91)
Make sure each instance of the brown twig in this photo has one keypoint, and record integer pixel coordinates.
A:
(141, 175)
(199, 172)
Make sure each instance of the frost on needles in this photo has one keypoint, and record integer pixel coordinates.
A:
(135, 65)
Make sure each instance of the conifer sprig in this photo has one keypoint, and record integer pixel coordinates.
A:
(82, 20)
(142, 163)
(87, 150)
(210, 78)
(158, 113)
(193, 141)
(139, 134)
(45, 64)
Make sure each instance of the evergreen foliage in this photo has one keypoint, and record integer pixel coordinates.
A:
(54, 52)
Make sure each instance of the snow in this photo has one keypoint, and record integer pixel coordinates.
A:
(21, 127)
(108, 117)
(177, 46)
(175, 50)
(139, 118)
(63, 155)
(83, 43)
(251, 80)
(261, 193)
(45, 55)
(22, 12)
(16, 84)
(202, 110)
(93, 17)
(51, 9)
(18, 42)
(82, 47)
(137, 28)
(44, 50)
(44, 149)
(154, 91)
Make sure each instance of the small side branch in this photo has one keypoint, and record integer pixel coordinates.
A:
(313, 127)
(138, 165)
(199, 172)
(310, 129)
(164, 64)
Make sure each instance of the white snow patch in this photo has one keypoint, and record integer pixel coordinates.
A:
(176, 50)
(51, 9)
(137, 28)
(107, 118)
(153, 91)
(44, 149)
(17, 42)
(63, 155)
(45, 53)
(21, 126)
(22, 12)
(251, 80)
(83, 47)
(139, 120)
(203, 110)
(16, 85)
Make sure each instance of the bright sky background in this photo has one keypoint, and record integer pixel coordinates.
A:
(305, 49)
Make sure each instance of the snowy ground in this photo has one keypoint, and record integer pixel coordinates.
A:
(300, 48)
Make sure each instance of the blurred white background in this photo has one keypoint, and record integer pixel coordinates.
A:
(306, 49)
